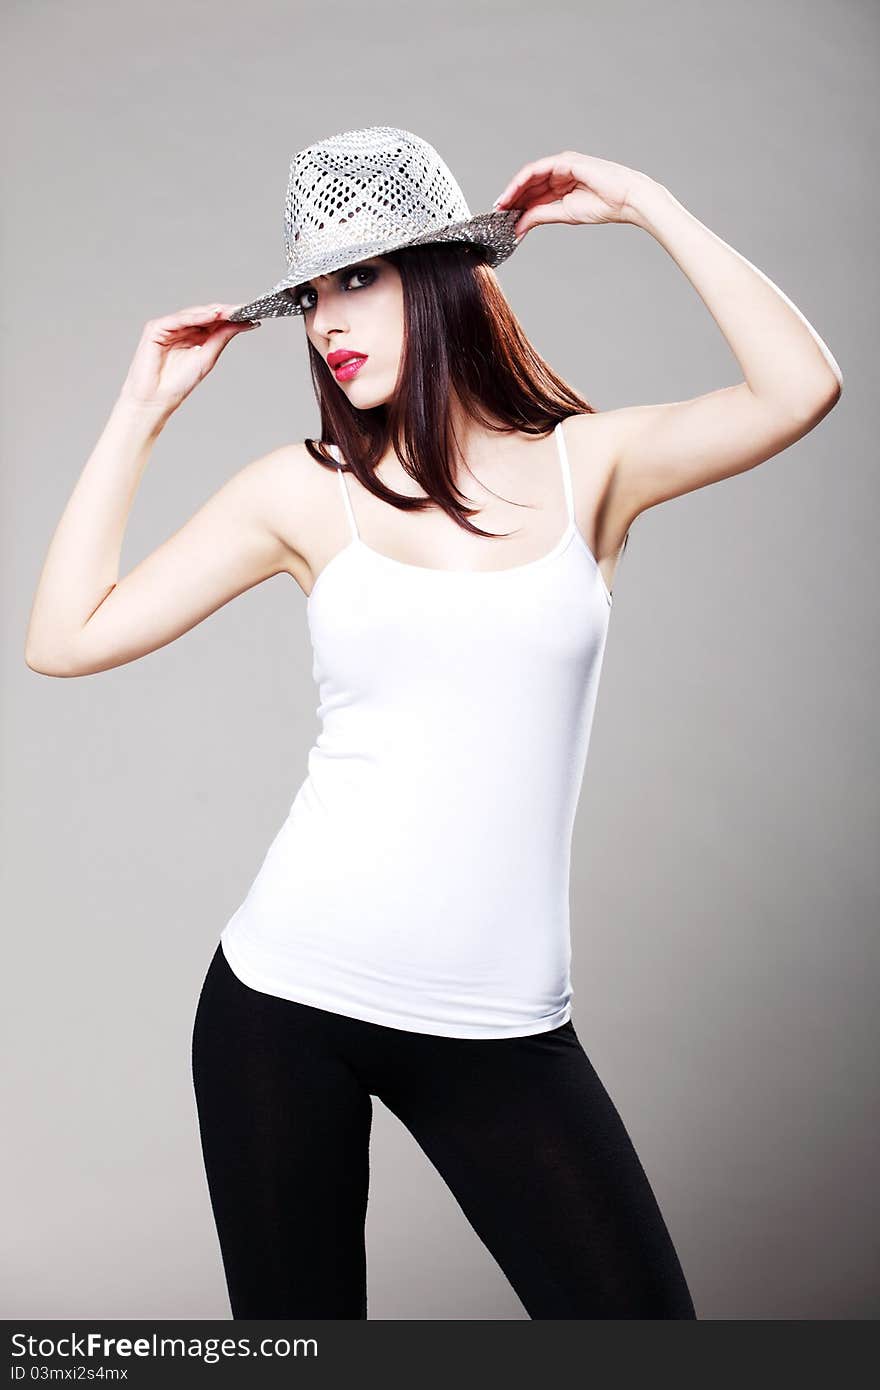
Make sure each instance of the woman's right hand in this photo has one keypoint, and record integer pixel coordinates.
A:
(178, 351)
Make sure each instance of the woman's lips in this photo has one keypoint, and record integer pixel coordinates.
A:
(349, 368)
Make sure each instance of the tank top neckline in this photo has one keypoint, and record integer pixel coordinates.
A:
(572, 532)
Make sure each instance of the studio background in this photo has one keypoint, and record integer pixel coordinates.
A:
(724, 888)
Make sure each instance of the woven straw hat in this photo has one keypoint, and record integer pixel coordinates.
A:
(364, 192)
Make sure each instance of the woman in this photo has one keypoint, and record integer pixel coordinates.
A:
(407, 934)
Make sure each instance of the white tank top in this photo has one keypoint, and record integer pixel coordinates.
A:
(421, 877)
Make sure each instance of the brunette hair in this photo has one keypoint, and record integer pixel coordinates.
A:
(459, 334)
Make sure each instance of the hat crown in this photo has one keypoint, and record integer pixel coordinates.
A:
(360, 186)
(364, 193)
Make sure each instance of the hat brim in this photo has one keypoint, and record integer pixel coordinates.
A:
(491, 230)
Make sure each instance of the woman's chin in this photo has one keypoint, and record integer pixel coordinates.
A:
(364, 396)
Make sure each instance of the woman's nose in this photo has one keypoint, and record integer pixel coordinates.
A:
(328, 320)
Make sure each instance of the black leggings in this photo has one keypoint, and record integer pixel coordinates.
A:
(521, 1129)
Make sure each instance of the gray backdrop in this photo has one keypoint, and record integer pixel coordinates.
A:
(724, 894)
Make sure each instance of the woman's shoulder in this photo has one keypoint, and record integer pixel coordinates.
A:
(591, 436)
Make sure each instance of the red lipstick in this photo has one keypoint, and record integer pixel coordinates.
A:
(345, 363)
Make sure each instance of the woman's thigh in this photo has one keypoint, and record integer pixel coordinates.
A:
(285, 1131)
(530, 1143)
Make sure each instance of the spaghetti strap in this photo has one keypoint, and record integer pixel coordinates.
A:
(566, 473)
(346, 498)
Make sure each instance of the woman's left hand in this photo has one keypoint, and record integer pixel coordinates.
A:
(574, 188)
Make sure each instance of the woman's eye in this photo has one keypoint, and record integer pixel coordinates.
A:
(366, 271)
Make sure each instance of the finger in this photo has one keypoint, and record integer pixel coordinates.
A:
(184, 334)
(554, 171)
(193, 314)
(528, 190)
(218, 341)
(538, 214)
(209, 346)
(538, 169)
(201, 331)
(549, 200)
(225, 333)
(553, 191)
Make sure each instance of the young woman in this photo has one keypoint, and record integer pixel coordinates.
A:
(407, 934)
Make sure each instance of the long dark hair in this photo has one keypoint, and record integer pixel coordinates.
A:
(460, 335)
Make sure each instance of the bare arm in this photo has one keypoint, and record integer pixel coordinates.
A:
(791, 381)
(84, 618)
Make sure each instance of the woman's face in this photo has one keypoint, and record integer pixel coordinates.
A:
(358, 310)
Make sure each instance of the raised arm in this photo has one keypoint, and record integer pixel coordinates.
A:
(85, 619)
(790, 382)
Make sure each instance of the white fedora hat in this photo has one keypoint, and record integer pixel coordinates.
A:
(364, 192)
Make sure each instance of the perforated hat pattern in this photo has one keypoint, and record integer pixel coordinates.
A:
(364, 192)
